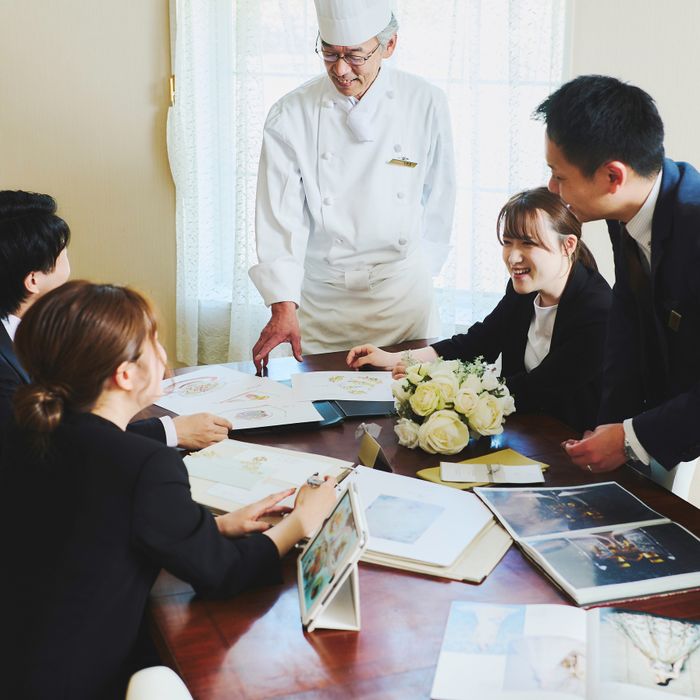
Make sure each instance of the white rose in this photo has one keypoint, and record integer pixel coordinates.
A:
(487, 416)
(416, 373)
(472, 382)
(443, 433)
(490, 379)
(448, 386)
(465, 401)
(427, 398)
(507, 404)
(441, 368)
(401, 390)
(407, 432)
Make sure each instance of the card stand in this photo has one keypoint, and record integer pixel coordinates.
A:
(342, 610)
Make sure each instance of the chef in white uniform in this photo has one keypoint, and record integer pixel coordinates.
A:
(355, 194)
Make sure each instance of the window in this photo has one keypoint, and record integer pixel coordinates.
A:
(496, 61)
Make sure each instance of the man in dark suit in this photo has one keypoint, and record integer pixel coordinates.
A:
(604, 145)
(33, 261)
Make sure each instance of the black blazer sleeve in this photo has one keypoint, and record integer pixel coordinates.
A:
(149, 427)
(182, 537)
(487, 337)
(9, 381)
(12, 375)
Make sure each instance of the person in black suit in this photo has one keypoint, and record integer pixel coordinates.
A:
(549, 326)
(34, 260)
(605, 149)
(89, 513)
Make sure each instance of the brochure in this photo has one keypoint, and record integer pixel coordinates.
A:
(529, 652)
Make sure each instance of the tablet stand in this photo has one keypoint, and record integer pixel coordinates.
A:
(342, 611)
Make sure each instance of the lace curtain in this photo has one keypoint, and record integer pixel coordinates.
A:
(495, 59)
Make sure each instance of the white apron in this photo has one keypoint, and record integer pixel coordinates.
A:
(387, 303)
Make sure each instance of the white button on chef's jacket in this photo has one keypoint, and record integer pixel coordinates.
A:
(327, 155)
(397, 148)
(402, 241)
(328, 201)
(390, 94)
(328, 104)
(339, 241)
(400, 195)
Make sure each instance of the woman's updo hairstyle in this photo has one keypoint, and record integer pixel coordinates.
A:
(70, 342)
(520, 219)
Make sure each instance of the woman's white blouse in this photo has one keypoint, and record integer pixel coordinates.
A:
(539, 336)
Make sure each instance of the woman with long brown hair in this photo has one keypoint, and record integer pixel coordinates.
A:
(549, 327)
(89, 513)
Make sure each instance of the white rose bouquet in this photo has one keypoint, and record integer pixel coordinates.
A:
(440, 402)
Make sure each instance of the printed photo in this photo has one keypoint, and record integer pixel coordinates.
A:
(546, 663)
(483, 629)
(622, 556)
(650, 651)
(532, 512)
(400, 519)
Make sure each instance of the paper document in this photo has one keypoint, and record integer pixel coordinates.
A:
(230, 474)
(342, 386)
(505, 457)
(246, 400)
(417, 520)
(491, 473)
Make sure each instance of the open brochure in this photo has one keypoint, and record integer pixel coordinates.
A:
(598, 542)
(531, 652)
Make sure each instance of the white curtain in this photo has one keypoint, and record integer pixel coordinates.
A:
(496, 60)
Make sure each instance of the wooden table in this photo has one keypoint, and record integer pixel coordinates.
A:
(253, 646)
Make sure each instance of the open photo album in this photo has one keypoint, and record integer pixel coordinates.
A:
(531, 652)
(598, 542)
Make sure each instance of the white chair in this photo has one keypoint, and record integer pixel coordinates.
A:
(157, 683)
(683, 480)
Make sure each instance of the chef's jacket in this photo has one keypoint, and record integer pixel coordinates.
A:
(346, 185)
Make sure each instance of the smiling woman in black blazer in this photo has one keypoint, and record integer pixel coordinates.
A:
(549, 327)
(89, 512)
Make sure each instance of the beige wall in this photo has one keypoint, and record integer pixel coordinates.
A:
(651, 44)
(83, 102)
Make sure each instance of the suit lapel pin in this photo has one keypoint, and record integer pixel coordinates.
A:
(674, 320)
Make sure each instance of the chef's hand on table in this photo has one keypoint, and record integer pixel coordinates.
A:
(282, 327)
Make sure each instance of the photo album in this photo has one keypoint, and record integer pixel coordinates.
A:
(531, 652)
(597, 542)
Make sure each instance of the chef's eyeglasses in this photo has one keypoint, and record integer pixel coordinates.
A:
(351, 59)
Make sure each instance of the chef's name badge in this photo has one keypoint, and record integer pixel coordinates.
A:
(404, 162)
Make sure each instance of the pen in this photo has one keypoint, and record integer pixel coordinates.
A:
(314, 481)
